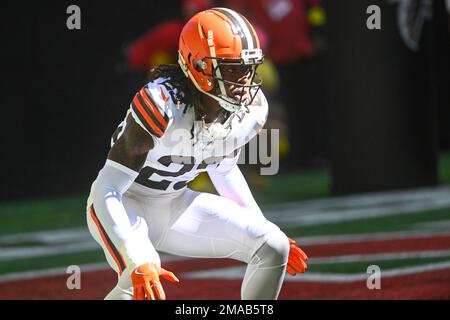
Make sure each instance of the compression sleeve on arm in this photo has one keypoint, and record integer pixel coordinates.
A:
(230, 183)
(111, 183)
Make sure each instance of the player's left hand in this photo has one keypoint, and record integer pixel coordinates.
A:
(146, 282)
(297, 259)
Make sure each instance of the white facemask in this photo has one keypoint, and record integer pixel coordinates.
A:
(213, 131)
(210, 132)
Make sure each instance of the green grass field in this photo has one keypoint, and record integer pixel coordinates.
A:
(69, 211)
(399, 222)
(361, 267)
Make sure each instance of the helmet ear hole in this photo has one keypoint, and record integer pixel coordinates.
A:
(198, 65)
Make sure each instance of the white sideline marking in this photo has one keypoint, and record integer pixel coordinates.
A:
(311, 212)
(367, 199)
(429, 198)
(47, 236)
(44, 251)
(379, 236)
(34, 274)
(338, 209)
(88, 244)
(27, 275)
(323, 277)
(380, 257)
(237, 273)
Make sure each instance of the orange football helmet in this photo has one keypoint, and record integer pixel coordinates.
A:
(214, 39)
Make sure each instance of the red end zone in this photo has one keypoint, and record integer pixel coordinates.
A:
(422, 285)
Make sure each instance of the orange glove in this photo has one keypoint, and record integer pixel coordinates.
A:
(297, 259)
(146, 277)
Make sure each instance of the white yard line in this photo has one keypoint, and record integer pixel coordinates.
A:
(299, 216)
(29, 252)
(378, 236)
(338, 209)
(88, 244)
(47, 236)
(237, 273)
(312, 212)
(35, 274)
(324, 277)
(357, 206)
(380, 257)
(372, 199)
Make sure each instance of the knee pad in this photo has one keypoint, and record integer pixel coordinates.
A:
(273, 252)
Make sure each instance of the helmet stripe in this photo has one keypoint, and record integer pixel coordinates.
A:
(247, 37)
(252, 31)
(244, 26)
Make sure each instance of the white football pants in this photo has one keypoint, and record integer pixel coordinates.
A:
(204, 225)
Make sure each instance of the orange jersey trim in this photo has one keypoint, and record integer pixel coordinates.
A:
(147, 118)
(153, 108)
(115, 254)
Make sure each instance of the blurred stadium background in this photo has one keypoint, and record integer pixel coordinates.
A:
(365, 127)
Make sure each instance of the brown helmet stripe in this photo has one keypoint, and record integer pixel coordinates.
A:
(252, 32)
(243, 27)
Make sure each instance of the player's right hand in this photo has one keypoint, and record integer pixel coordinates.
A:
(297, 259)
(146, 282)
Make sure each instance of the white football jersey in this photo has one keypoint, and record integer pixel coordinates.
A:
(178, 155)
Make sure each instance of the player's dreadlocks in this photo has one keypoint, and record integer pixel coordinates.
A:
(185, 93)
(176, 81)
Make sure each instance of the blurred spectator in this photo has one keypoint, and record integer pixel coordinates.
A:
(159, 45)
(285, 23)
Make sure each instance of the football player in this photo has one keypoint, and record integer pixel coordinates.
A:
(190, 118)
